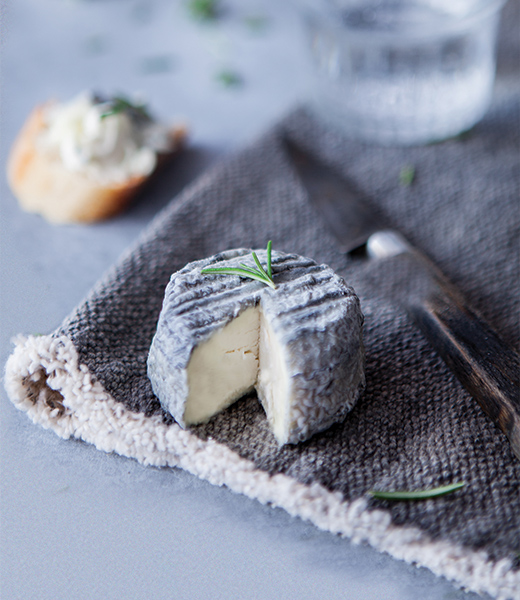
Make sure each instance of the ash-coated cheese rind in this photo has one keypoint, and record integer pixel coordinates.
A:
(299, 345)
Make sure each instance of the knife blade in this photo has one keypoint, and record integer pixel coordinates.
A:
(485, 365)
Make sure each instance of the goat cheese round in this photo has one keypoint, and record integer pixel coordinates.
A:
(299, 345)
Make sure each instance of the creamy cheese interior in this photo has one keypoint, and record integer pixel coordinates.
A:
(273, 384)
(110, 149)
(242, 355)
(224, 368)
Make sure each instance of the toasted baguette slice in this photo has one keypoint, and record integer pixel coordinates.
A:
(44, 185)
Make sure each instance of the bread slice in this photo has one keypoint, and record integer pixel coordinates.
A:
(44, 185)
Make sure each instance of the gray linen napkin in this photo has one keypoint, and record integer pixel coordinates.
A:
(414, 427)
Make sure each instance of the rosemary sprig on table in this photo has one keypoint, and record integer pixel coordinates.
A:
(203, 10)
(260, 274)
(228, 78)
(407, 175)
(418, 494)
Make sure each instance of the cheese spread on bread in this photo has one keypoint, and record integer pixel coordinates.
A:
(107, 147)
(84, 160)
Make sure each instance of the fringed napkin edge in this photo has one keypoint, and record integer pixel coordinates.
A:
(45, 379)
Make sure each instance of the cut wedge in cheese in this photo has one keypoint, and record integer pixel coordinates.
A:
(224, 368)
(299, 345)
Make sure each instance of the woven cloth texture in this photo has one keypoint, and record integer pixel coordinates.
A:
(415, 426)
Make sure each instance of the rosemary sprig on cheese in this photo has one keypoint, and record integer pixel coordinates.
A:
(418, 494)
(258, 273)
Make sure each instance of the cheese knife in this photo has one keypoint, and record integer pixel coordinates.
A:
(484, 364)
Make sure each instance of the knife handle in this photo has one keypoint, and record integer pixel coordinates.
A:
(487, 367)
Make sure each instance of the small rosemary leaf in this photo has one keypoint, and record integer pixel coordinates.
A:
(240, 272)
(407, 175)
(250, 269)
(224, 270)
(256, 272)
(229, 79)
(235, 271)
(245, 271)
(259, 265)
(269, 268)
(119, 104)
(418, 494)
(110, 112)
(203, 10)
